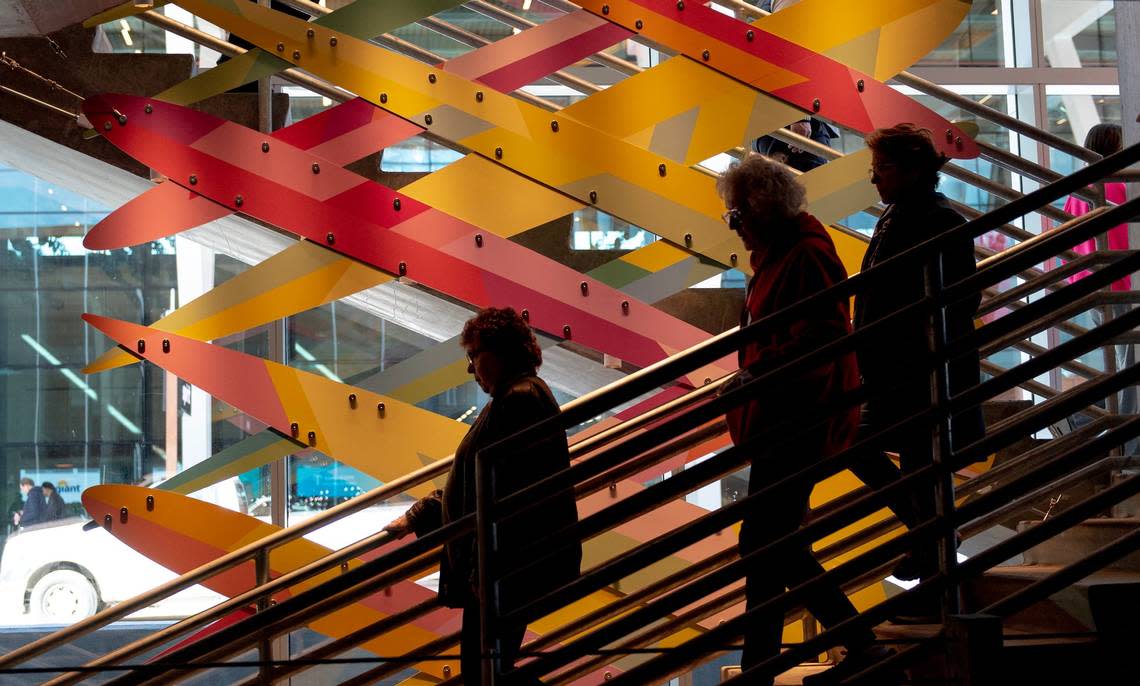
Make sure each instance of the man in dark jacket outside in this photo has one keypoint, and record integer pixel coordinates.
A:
(904, 170)
(504, 357)
(33, 512)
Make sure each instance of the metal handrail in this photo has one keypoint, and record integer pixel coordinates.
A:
(1106, 276)
(233, 604)
(332, 594)
(816, 529)
(823, 468)
(950, 97)
(340, 98)
(581, 446)
(650, 671)
(1112, 277)
(1014, 545)
(221, 564)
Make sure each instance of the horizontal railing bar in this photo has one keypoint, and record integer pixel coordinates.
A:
(633, 505)
(515, 21)
(320, 600)
(1008, 548)
(719, 519)
(1040, 364)
(332, 648)
(1028, 326)
(1038, 388)
(720, 345)
(1047, 280)
(230, 605)
(1043, 414)
(993, 556)
(1062, 578)
(221, 564)
(225, 47)
(1044, 247)
(1012, 123)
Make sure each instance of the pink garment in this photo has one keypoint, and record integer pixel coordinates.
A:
(1117, 235)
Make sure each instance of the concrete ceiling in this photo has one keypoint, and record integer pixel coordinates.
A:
(40, 17)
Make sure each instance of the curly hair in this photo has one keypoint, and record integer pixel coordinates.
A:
(503, 332)
(911, 147)
(762, 190)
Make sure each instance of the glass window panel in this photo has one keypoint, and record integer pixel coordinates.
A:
(417, 154)
(1078, 34)
(596, 230)
(79, 430)
(1072, 114)
(977, 42)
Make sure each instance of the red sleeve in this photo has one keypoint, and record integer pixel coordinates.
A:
(805, 271)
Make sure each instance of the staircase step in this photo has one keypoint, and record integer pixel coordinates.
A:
(1064, 612)
(1075, 543)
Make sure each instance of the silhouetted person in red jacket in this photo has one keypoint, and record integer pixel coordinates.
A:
(792, 257)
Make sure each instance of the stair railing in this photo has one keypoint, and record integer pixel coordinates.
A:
(317, 522)
(951, 294)
(1092, 225)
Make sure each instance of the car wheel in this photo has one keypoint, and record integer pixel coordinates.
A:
(64, 595)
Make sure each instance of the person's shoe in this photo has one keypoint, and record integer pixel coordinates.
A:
(925, 610)
(908, 569)
(854, 663)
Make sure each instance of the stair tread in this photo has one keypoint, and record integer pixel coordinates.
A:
(1035, 572)
(1131, 522)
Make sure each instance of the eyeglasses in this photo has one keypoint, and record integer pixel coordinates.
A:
(474, 354)
(877, 168)
(733, 218)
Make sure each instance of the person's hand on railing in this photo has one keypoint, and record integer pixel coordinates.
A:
(399, 527)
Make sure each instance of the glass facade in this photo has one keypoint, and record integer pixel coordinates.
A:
(78, 430)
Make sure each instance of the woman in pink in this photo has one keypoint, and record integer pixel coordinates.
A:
(1106, 139)
(1103, 139)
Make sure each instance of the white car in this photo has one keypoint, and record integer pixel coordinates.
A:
(59, 573)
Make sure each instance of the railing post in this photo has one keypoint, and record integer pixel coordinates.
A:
(940, 448)
(974, 649)
(485, 548)
(265, 646)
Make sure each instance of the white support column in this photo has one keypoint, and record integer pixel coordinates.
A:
(195, 277)
(1128, 56)
(1061, 21)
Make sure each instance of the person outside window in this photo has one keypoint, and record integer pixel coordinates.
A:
(54, 506)
(34, 505)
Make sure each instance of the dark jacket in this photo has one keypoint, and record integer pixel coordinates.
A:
(54, 507)
(801, 264)
(34, 506)
(801, 160)
(521, 403)
(900, 352)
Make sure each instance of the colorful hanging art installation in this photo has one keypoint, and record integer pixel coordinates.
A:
(629, 151)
